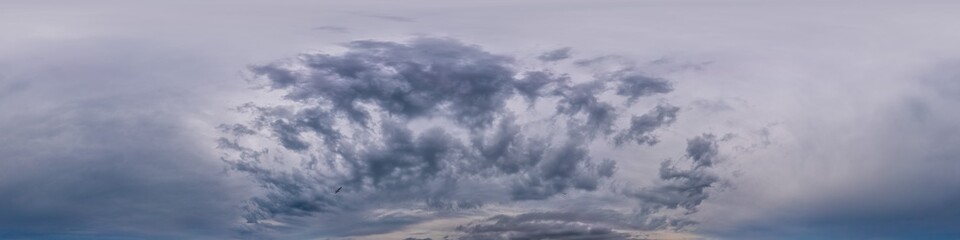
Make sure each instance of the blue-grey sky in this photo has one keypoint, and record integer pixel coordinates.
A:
(429, 119)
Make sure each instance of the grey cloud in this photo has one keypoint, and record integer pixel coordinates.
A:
(594, 223)
(534, 83)
(428, 165)
(562, 168)
(354, 115)
(400, 162)
(606, 168)
(508, 150)
(403, 161)
(583, 98)
(703, 150)
(683, 188)
(555, 55)
(629, 81)
(419, 79)
(288, 135)
(292, 194)
(635, 85)
(546, 225)
(601, 60)
(236, 129)
(642, 126)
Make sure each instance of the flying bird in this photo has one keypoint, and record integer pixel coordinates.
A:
(338, 190)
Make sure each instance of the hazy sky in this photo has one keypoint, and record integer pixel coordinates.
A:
(479, 120)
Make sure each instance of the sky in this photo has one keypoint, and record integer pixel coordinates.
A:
(428, 119)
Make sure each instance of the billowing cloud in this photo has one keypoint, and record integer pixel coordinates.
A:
(416, 122)
(424, 78)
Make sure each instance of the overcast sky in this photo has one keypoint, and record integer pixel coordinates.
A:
(428, 119)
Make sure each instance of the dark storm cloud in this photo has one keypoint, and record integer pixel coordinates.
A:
(419, 79)
(555, 55)
(352, 123)
(642, 126)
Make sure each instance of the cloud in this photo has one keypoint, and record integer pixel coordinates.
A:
(642, 126)
(683, 188)
(583, 99)
(549, 225)
(107, 121)
(677, 189)
(555, 55)
(635, 85)
(533, 84)
(419, 79)
(703, 150)
(565, 167)
(414, 123)
(577, 223)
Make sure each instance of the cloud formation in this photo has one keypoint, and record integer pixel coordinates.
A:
(676, 189)
(416, 122)
(109, 109)
(682, 188)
